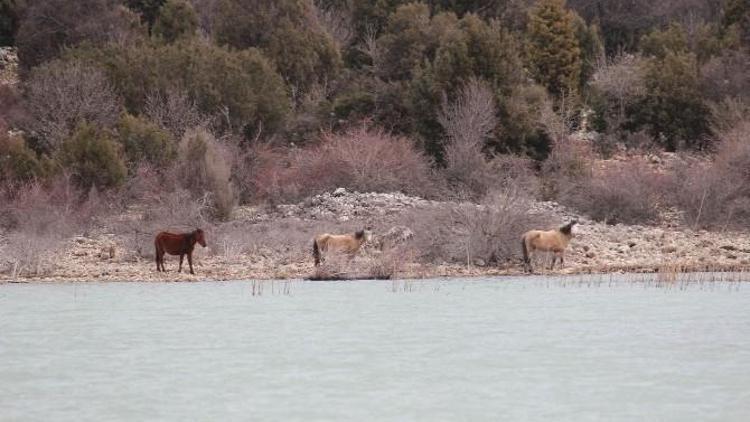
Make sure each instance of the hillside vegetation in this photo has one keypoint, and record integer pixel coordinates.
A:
(207, 105)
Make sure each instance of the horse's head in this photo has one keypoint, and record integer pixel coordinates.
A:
(200, 237)
(364, 235)
(569, 229)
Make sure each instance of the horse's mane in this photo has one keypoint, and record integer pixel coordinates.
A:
(566, 229)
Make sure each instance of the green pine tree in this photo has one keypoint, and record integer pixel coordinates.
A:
(553, 53)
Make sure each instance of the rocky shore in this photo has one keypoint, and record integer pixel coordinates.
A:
(274, 243)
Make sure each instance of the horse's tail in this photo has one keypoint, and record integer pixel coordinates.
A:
(316, 252)
(525, 252)
(156, 251)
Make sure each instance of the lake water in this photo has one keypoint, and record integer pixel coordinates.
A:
(494, 349)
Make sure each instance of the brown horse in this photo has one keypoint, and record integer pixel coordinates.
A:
(177, 244)
(547, 241)
(342, 243)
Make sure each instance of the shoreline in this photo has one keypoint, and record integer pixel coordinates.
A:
(667, 272)
(275, 244)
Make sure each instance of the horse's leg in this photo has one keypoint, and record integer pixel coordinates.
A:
(552, 266)
(181, 257)
(190, 262)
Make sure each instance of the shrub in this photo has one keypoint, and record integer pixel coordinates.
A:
(37, 219)
(716, 195)
(148, 9)
(204, 169)
(144, 142)
(177, 19)
(287, 32)
(174, 111)
(17, 161)
(93, 158)
(467, 122)
(365, 160)
(672, 109)
(242, 86)
(465, 233)
(10, 11)
(520, 130)
(62, 94)
(630, 193)
(616, 86)
(49, 25)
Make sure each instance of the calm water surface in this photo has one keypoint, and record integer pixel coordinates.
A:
(499, 349)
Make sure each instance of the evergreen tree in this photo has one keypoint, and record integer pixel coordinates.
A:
(554, 55)
(148, 9)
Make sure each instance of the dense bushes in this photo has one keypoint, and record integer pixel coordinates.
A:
(144, 142)
(464, 92)
(47, 26)
(92, 157)
(240, 86)
(286, 31)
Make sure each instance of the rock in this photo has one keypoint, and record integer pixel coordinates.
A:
(339, 192)
(631, 244)
(585, 248)
(590, 254)
(728, 247)
(479, 262)
(669, 249)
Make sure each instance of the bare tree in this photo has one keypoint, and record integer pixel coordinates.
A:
(338, 22)
(467, 122)
(174, 111)
(620, 80)
(62, 94)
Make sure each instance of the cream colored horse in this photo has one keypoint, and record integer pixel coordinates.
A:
(341, 243)
(547, 241)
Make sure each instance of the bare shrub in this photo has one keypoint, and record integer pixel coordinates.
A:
(60, 95)
(468, 233)
(338, 22)
(361, 159)
(367, 160)
(39, 218)
(203, 168)
(716, 195)
(387, 264)
(620, 81)
(467, 122)
(726, 76)
(630, 193)
(174, 111)
(263, 173)
(569, 161)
